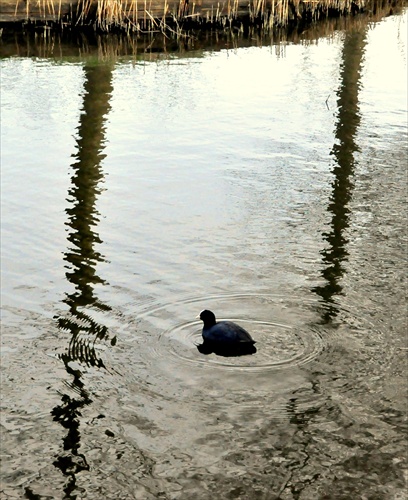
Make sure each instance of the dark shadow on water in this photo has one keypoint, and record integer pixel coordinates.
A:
(28, 40)
(226, 349)
(81, 259)
(335, 254)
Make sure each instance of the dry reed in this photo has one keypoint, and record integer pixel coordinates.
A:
(110, 47)
(175, 15)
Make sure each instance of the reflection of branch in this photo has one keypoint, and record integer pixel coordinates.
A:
(82, 258)
(300, 419)
(83, 349)
(343, 151)
(71, 462)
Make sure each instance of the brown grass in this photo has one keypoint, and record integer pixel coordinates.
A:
(171, 15)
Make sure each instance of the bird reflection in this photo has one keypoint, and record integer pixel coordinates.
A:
(226, 350)
(343, 152)
(81, 259)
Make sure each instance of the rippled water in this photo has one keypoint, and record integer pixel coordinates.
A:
(268, 184)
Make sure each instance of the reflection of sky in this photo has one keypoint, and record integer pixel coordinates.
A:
(384, 93)
(187, 138)
(223, 110)
(228, 94)
(40, 106)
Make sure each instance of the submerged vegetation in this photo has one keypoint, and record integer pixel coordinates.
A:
(181, 17)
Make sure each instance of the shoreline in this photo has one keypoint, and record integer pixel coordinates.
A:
(179, 18)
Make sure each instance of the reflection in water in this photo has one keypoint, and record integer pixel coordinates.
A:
(334, 255)
(343, 151)
(225, 350)
(82, 258)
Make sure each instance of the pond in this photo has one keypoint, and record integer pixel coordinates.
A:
(267, 183)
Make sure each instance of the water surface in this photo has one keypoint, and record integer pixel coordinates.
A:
(267, 183)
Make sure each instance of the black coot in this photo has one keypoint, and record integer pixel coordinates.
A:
(224, 337)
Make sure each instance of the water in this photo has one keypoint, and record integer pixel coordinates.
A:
(266, 183)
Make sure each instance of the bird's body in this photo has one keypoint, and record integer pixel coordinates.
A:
(224, 332)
